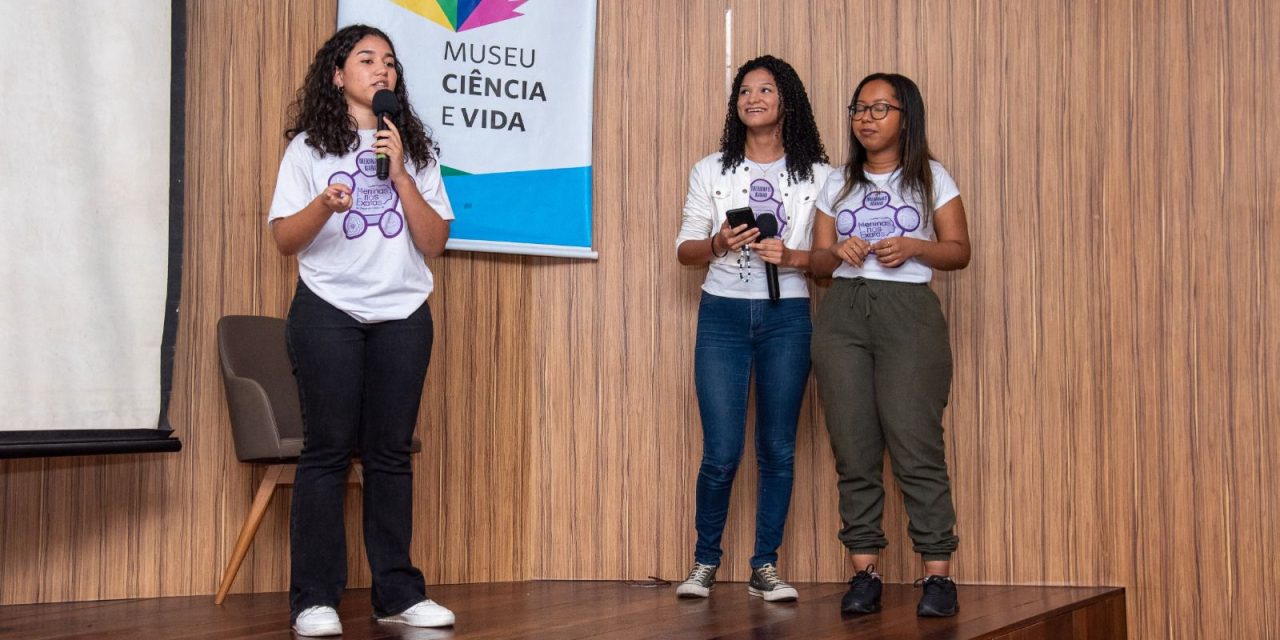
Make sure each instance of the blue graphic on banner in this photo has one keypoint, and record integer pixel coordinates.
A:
(548, 206)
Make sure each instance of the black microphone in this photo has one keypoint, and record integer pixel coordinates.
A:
(385, 104)
(768, 224)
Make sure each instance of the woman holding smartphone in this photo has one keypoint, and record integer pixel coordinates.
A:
(771, 161)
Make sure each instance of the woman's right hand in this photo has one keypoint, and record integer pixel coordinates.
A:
(336, 197)
(736, 237)
(853, 250)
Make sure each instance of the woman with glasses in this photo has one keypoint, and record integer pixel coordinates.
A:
(881, 352)
(771, 161)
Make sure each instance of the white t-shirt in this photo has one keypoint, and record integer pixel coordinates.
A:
(764, 188)
(884, 212)
(363, 261)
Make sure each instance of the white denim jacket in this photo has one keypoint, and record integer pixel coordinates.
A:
(712, 193)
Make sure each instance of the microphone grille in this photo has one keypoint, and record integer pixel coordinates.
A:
(385, 101)
(768, 224)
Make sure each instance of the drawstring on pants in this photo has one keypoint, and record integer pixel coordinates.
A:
(860, 285)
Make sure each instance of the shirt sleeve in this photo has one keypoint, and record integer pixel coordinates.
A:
(830, 187)
(431, 186)
(697, 218)
(944, 186)
(294, 189)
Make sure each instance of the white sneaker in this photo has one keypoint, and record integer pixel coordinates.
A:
(318, 621)
(424, 614)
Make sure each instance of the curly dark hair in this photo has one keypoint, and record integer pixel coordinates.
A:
(320, 110)
(800, 138)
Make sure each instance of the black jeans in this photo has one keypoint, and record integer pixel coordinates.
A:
(360, 386)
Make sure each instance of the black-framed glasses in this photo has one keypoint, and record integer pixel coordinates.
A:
(879, 110)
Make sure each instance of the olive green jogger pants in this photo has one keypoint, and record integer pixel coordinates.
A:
(882, 359)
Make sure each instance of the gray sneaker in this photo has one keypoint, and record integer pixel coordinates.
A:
(701, 580)
(766, 584)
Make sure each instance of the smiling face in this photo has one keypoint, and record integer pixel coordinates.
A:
(369, 68)
(759, 104)
(878, 135)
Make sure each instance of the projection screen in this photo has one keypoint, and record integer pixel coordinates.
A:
(91, 186)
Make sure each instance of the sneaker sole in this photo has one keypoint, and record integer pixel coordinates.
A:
(436, 621)
(693, 592)
(778, 595)
(319, 632)
(875, 608)
(934, 613)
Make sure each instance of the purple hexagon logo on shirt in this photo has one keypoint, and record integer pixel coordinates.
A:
(878, 218)
(373, 201)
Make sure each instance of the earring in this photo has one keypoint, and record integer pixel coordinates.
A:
(340, 89)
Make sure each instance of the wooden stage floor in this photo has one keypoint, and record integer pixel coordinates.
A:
(567, 610)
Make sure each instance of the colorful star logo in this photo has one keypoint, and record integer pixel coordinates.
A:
(461, 15)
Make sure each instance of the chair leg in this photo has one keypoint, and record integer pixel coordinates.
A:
(250, 528)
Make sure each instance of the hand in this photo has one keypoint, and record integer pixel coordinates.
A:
(387, 142)
(737, 237)
(336, 197)
(853, 251)
(771, 250)
(892, 252)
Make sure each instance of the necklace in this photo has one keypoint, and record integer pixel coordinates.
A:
(764, 169)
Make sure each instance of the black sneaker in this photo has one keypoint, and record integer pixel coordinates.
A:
(864, 592)
(766, 584)
(701, 580)
(939, 599)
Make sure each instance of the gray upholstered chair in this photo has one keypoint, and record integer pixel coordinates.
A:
(266, 417)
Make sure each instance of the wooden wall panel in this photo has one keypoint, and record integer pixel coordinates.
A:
(1112, 417)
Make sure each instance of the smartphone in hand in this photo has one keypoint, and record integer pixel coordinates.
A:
(740, 216)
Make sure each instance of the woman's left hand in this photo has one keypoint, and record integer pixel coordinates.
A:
(387, 141)
(892, 252)
(771, 250)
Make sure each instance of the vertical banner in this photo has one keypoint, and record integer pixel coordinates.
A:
(506, 89)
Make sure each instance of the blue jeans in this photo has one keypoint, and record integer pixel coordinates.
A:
(360, 386)
(735, 337)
